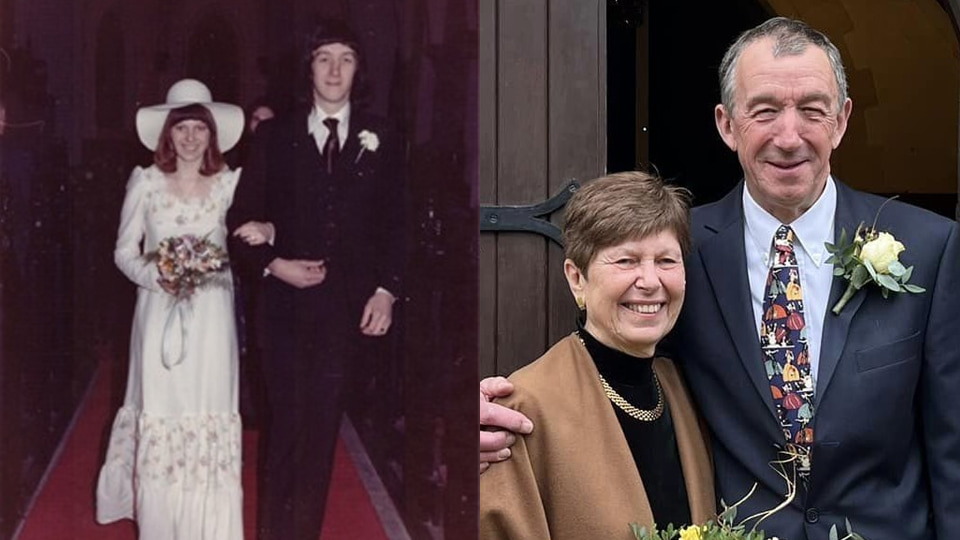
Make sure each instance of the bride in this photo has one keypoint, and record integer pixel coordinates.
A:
(173, 462)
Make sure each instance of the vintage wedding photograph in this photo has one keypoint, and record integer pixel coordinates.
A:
(238, 269)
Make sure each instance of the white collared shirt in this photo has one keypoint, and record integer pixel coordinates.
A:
(811, 230)
(316, 127)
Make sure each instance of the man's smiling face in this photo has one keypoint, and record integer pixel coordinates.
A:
(785, 123)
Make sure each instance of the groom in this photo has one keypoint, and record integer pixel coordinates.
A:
(325, 177)
(884, 436)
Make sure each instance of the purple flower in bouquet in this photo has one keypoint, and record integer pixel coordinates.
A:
(187, 262)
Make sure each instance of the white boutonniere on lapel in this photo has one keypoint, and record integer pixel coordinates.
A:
(872, 256)
(368, 142)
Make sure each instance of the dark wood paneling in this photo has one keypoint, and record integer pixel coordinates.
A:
(438, 76)
(542, 123)
(522, 59)
(487, 189)
(577, 125)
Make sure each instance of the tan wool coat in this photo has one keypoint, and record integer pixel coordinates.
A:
(574, 477)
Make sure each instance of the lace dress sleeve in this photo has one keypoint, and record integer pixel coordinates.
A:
(128, 254)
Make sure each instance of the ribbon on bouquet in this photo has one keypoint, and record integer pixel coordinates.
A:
(181, 311)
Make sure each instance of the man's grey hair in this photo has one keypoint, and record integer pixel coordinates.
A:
(790, 37)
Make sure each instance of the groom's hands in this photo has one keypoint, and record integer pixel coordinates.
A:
(377, 314)
(298, 273)
(498, 424)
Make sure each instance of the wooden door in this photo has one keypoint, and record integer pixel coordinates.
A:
(542, 119)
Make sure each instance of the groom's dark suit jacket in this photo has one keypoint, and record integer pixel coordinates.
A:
(887, 420)
(349, 219)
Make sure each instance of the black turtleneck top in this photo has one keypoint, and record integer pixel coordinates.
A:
(653, 444)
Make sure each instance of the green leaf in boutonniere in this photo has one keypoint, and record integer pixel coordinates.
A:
(872, 256)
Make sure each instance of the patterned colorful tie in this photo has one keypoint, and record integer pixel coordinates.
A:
(331, 148)
(783, 338)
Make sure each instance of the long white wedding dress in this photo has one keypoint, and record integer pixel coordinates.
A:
(173, 462)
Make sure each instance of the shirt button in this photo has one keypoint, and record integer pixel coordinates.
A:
(812, 515)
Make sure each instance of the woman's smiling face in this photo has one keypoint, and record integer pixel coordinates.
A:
(191, 138)
(632, 291)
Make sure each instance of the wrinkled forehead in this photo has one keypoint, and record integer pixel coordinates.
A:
(763, 61)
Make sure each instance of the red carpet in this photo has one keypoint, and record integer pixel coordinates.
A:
(64, 509)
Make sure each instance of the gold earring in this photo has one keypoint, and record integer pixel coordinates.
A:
(581, 304)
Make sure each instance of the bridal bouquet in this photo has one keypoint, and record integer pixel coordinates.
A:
(187, 262)
(726, 526)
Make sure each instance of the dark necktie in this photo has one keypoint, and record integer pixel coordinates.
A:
(331, 148)
(783, 339)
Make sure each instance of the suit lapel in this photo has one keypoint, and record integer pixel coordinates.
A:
(306, 164)
(351, 146)
(725, 264)
(850, 212)
(305, 145)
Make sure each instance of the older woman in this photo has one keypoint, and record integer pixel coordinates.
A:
(617, 438)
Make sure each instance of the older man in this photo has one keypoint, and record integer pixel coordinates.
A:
(860, 402)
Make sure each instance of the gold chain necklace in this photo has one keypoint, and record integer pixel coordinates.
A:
(644, 415)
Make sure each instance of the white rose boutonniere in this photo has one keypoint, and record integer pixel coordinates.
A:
(872, 257)
(881, 252)
(368, 141)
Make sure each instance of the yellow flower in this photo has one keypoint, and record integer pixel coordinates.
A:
(882, 251)
(690, 533)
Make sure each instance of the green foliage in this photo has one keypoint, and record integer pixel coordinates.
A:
(711, 531)
(726, 528)
(845, 256)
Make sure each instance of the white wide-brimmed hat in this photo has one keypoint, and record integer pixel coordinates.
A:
(229, 117)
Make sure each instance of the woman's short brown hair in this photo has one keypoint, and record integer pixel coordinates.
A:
(620, 207)
(165, 156)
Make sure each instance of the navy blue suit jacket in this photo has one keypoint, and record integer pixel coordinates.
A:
(887, 418)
